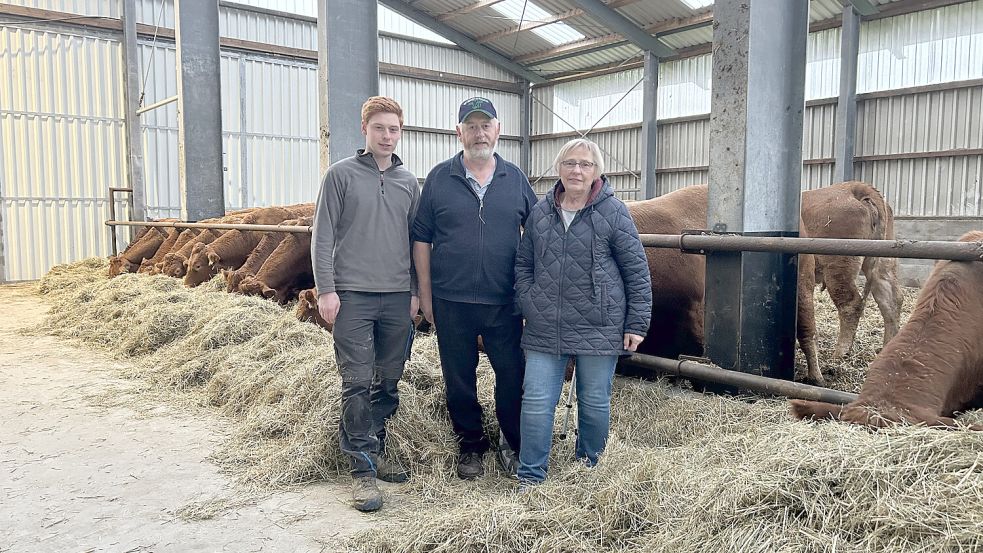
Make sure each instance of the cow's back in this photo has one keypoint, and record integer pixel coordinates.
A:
(846, 210)
(677, 278)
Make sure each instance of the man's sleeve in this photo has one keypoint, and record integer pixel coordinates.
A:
(327, 213)
(423, 224)
(529, 195)
(411, 222)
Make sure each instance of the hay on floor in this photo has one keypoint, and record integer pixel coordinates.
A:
(683, 472)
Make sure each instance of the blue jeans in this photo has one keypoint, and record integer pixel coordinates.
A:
(540, 392)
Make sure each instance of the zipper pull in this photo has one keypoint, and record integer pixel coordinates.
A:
(382, 182)
(481, 206)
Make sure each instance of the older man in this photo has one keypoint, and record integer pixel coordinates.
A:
(466, 232)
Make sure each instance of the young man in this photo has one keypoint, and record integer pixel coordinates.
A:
(465, 237)
(360, 251)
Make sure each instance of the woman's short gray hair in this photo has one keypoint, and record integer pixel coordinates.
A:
(594, 150)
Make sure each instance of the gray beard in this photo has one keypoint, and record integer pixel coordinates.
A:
(481, 154)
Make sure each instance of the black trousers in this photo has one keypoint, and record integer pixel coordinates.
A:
(458, 327)
(371, 335)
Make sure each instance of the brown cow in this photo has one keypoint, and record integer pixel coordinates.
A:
(183, 238)
(287, 270)
(147, 265)
(144, 246)
(231, 250)
(175, 263)
(259, 255)
(307, 312)
(678, 279)
(933, 368)
(854, 210)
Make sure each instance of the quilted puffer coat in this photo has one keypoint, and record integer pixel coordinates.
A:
(581, 289)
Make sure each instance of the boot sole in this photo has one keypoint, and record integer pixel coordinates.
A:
(369, 506)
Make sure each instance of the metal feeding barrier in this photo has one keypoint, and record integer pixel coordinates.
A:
(699, 242)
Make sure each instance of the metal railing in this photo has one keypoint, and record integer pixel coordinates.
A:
(920, 249)
(216, 226)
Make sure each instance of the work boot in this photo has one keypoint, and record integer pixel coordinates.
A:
(470, 466)
(390, 471)
(366, 494)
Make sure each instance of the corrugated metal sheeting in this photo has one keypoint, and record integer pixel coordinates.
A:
(923, 48)
(61, 146)
(926, 122)
(62, 130)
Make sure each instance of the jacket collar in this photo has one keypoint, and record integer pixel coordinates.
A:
(600, 190)
(366, 158)
(457, 166)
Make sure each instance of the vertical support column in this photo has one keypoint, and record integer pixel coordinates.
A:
(755, 181)
(846, 104)
(199, 79)
(650, 126)
(134, 134)
(348, 73)
(525, 130)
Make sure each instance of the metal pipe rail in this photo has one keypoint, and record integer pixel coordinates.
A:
(919, 249)
(217, 226)
(744, 381)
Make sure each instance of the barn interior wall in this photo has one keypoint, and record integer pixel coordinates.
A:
(61, 119)
(62, 124)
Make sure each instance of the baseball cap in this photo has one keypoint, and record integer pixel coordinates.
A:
(478, 104)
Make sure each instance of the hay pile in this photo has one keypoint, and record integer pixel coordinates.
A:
(683, 472)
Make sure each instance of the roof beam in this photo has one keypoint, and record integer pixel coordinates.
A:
(624, 26)
(467, 9)
(863, 7)
(661, 28)
(530, 25)
(462, 40)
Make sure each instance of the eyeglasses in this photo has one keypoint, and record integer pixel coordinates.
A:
(571, 163)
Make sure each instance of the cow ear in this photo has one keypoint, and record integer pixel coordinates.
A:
(213, 259)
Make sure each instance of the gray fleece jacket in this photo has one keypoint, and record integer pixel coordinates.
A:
(362, 221)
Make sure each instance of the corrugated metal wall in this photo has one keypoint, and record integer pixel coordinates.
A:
(924, 48)
(61, 146)
(62, 130)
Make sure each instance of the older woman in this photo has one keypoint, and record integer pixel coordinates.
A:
(583, 285)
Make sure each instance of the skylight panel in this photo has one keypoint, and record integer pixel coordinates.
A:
(697, 4)
(556, 33)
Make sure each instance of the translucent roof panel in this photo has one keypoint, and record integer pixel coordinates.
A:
(526, 11)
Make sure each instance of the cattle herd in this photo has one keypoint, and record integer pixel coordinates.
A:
(925, 373)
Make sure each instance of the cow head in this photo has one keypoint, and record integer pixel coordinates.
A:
(235, 278)
(250, 286)
(146, 266)
(307, 312)
(174, 265)
(119, 265)
(198, 270)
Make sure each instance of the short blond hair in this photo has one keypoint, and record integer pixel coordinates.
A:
(594, 149)
(381, 104)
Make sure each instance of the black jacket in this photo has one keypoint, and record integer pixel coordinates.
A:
(474, 241)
